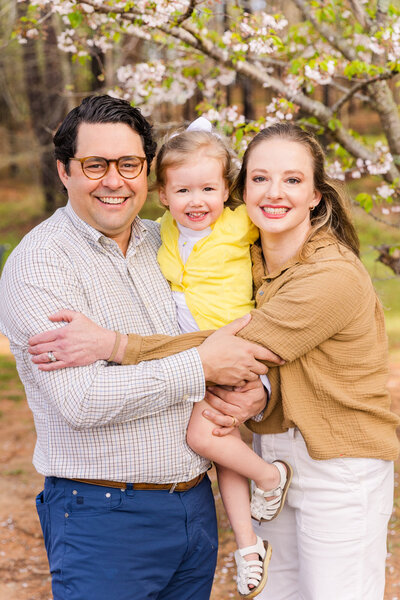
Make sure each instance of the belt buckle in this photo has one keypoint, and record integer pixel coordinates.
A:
(172, 488)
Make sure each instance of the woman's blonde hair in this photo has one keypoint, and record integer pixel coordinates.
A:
(182, 147)
(332, 214)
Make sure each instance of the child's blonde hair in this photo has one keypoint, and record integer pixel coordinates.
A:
(180, 148)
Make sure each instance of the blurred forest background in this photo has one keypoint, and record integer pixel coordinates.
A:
(243, 66)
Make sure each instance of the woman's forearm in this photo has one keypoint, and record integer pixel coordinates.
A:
(152, 347)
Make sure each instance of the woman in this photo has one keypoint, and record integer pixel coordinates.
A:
(329, 413)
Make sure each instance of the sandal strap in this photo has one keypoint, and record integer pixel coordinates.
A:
(253, 572)
(283, 472)
(258, 548)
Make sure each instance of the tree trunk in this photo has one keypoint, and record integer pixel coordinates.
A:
(44, 89)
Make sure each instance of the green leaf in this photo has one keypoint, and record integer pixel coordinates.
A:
(239, 134)
(334, 124)
(365, 201)
(75, 18)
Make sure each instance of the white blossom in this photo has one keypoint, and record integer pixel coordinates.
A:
(226, 77)
(385, 191)
(65, 41)
(320, 77)
(374, 46)
(32, 33)
(212, 115)
(260, 46)
(335, 171)
(88, 8)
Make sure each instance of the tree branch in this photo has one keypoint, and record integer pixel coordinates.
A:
(360, 14)
(188, 13)
(379, 91)
(378, 219)
(360, 85)
(326, 32)
(308, 105)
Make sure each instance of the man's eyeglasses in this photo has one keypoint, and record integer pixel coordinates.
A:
(96, 167)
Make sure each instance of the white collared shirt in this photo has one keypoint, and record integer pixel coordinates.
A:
(122, 423)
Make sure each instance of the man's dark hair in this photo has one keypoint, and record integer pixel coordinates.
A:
(101, 109)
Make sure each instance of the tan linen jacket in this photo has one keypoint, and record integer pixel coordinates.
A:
(322, 316)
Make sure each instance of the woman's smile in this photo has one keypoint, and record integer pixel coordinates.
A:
(275, 212)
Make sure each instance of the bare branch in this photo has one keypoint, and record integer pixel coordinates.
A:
(378, 219)
(359, 86)
(342, 88)
(360, 14)
(188, 13)
(389, 257)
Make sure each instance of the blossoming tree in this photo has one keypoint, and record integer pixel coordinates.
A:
(351, 47)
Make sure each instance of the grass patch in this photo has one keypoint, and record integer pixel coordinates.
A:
(19, 204)
(9, 380)
(387, 285)
(15, 472)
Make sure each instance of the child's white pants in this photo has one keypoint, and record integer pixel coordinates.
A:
(329, 541)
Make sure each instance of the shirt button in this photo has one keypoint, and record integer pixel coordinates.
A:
(66, 515)
(74, 492)
(108, 495)
(186, 397)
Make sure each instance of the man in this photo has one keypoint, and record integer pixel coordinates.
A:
(126, 511)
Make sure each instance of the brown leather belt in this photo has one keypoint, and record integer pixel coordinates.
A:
(182, 486)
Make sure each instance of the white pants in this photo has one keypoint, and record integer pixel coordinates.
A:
(329, 541)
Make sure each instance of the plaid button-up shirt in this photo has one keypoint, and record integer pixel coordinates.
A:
(121, 423)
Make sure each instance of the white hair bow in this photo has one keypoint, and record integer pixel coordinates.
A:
(200, 124)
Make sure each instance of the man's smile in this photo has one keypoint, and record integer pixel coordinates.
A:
(112, 199)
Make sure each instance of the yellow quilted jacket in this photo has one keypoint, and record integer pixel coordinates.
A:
(216, 278)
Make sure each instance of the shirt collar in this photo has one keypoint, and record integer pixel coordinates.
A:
(321, 239)
(138, 231)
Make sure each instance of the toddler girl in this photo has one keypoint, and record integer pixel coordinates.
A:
(205, 255)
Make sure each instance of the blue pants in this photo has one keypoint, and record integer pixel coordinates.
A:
(105, 544)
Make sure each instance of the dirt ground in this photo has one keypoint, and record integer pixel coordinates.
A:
(23, 564)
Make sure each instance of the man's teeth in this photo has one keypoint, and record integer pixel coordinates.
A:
(275, 211)
(112, 200)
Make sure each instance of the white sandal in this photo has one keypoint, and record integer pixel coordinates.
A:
(266, 510)
(252, 572)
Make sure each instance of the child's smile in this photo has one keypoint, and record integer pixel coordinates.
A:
(195, 192)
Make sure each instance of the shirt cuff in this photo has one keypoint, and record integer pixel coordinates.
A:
(184, 376)
(267, 385)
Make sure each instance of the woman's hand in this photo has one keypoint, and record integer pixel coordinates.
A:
(239, 403)
(81, 342)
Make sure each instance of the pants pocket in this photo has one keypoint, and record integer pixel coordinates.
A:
(43, 511)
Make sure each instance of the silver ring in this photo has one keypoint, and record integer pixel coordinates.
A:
(51, 356)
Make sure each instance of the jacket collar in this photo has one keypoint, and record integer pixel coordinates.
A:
(320, 240)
